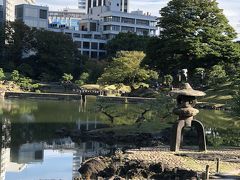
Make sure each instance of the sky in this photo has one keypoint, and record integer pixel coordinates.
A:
(231, 7)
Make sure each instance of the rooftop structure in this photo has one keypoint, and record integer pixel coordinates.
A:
(87, 4)
(7, 8)
(90, 32)
(32, 15)
(68, 18)
(104, 23)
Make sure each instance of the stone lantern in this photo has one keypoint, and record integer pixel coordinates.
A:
(186, 100)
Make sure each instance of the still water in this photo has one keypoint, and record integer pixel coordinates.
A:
(31, 149)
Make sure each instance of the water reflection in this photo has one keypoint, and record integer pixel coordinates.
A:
(31, 149)
(15, 159)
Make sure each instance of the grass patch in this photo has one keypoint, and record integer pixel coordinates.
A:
(222, 94)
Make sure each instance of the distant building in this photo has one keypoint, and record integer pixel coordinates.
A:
(7, 8)
(103, 23)
(68, 18)
(32, 15)
(82, 5)
(90, 32)
(87, 4)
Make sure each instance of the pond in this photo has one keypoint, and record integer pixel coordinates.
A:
(31, 148)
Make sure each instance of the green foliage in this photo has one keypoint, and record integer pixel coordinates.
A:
(27, 84)
(217, 75)
(198, 76)
(126, 69)
(82, 79)
(15, 76)
(168, 79)
(95, 69)
(67, 77)
(192, 34)
(236, 104)
(159, 109)
(127, 42)
(39, 54)
(2, 75)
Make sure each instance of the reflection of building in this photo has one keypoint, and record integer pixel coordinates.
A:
(28, 153)
(33, 16)
(85, 151)
(5, 138)
(64, 143)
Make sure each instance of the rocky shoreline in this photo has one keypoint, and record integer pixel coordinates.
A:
(160, 163)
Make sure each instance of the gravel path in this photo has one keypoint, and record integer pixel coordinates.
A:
(189, 159)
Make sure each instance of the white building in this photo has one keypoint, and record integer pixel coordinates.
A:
(105, 22)
(7, 8)
(87, 4)
(32, 15)
(82, 5)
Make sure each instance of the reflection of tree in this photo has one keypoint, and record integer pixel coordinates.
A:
(104, 108)
(16, 108)
(118, 114)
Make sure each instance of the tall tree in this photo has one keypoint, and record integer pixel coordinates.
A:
(56, 54)
(127, 42)
(193, 33)
(126, 69)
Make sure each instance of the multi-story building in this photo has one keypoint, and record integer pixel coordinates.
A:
(105, 22)
(32, 15)
(7, 8)
(91, 31)
(1, 12)
(82, 5)
(87, 4)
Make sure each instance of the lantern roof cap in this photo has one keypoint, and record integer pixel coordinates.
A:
(186, 90)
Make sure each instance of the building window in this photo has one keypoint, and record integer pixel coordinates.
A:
(127, 29)
(68, 34)
(19, 12)
(94, 45)
(78, 44)
(97, 36)
(43, 14)
(112, 19)
(128, 20)
(93, 26)
(76, 35)
(142, 22)
(101, 46)
(115, 28)
(153, 23)
(102, 55)
(86, 45)
(141, 31)
(94, 3)
(87, 36)
(111, 28)
(86, 53)
(107, 28)
(94, 55)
